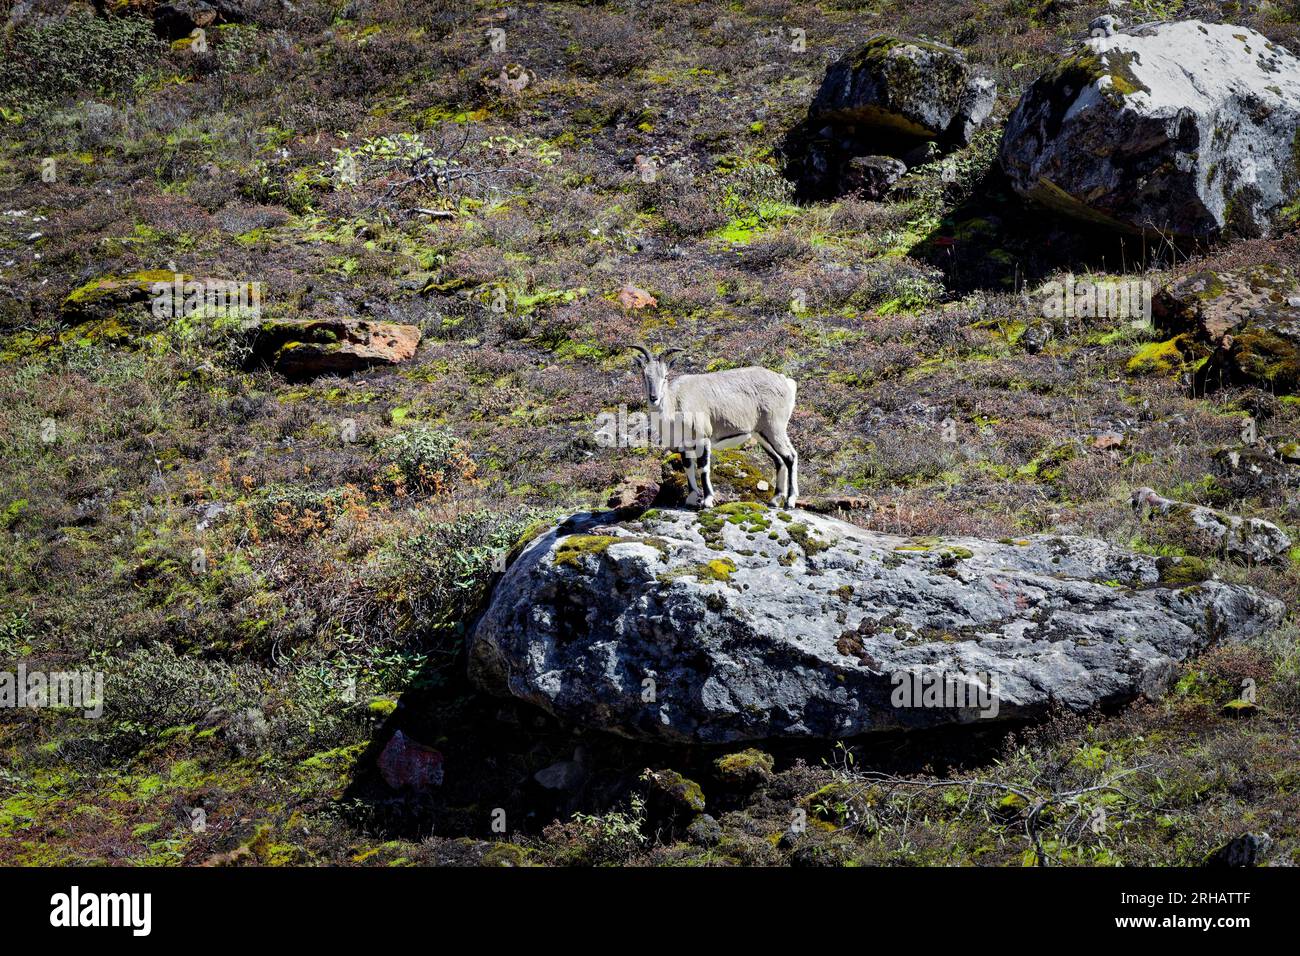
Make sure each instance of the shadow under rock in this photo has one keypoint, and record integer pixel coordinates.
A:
(998, 241)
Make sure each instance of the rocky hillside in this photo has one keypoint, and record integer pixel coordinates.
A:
(309, 316)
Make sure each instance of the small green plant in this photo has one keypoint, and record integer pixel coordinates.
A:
(13, 628)
(610, 838)
(1156, 9)
(439, 575)
(950, 181)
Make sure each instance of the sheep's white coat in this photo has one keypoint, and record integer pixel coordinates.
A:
(717, 410)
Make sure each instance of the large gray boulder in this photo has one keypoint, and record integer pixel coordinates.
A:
(911, 87)
(740, 622)
(1181, 128)
(890, 96)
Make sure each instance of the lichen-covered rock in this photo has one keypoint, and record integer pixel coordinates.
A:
(911, 87)
(1182, 128)
(743, 623)
(1248, 539)
(1212, 303)
(1246, 322)
(301, 349)
(1257, 469)
(1265, 351)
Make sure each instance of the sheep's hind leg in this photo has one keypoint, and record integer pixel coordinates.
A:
(782, 472)
(790, 457)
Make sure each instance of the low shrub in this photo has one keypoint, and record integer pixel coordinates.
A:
(427, 461)
(82, 54)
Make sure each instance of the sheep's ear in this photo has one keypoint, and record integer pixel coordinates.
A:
(668, 356)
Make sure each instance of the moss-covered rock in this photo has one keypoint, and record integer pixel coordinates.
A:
(574, 548)
(1183, 571)
(1165, 359)
(1266, 352)
(105, 296)
(669, 791)
(746, 768)
(507, 854)
(912, 87)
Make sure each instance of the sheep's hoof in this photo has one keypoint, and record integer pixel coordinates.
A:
(777, 502)
(693, 499)
(791, 502)
(708, 502)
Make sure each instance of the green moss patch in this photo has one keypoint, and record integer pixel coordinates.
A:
(575, 547)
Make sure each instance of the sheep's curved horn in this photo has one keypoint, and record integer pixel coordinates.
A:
(643, 350)
(666, 355)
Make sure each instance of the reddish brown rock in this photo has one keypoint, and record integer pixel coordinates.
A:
(405, 763)
(630, 297)
(334, 346)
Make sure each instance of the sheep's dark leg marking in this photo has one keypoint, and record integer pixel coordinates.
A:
(691, 481)
(790, 458)
(705, 460)
(782, 468)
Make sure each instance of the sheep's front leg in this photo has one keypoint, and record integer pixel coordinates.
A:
(704, 456)
(693, 497)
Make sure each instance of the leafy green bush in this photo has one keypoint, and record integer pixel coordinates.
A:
(599, 840)
(81, 54)
(441, 574)
(953, 179)
(424, 460)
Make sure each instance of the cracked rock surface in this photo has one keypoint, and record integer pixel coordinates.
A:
(743, 622)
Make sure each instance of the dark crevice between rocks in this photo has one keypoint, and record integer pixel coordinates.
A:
(818, 157)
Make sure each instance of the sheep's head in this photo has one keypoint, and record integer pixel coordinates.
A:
(1144, 498)
(654, 372)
